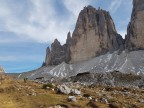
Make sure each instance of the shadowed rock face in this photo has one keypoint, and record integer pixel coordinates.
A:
(57, 54)
(94, 34)
(135, 31)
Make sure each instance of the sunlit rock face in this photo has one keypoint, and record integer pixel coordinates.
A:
(135, 36)
(96, 47)
(94, 35)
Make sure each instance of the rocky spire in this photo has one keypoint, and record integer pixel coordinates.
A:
(69, 38)
(47, 59)
(56, 55)
(135, 34)
(94, 34)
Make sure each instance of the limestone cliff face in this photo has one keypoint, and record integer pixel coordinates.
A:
(135, 31)
(94, 34)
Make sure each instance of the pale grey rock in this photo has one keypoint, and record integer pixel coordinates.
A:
(141, 100)
(75, 92)
(64, 89)
(67, 90)
(90, 98)
(72, 99)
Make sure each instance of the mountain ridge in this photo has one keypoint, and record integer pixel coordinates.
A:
(95, 34)
(95, 25)
(92, 49)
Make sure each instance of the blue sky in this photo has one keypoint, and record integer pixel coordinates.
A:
(27, 27)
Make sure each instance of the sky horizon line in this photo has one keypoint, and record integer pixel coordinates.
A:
(28, 27)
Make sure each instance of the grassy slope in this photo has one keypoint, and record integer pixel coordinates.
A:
(13, 94)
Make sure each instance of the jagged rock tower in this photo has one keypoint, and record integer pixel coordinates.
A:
(94, 34)
(135, 31)
(95, 46)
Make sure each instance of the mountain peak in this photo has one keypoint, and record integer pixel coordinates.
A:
(94, 34)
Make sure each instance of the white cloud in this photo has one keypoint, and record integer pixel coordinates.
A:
(42, 23)
(115, 4)
(8, 58)
(39, 20)
(123, 33)
(76, 6)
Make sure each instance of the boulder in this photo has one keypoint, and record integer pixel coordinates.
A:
(64, 89)
(72, 99)
(75, 92)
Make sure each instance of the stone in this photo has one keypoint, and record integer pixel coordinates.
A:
(135, 33)
(104, 100)
(141, 100)
(90, 98)
(75, 92)
(34, 94)
(67, 90)
(64, 89)
(72, 99)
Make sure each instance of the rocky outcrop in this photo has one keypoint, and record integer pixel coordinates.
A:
(114, 78)
(94, 34)
(57, 54)
(67, 90)
(135, 31)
